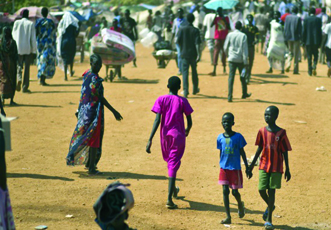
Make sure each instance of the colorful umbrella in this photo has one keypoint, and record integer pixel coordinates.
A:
(225, 4)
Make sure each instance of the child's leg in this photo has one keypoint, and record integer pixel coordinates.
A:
(92, 159)
(264, 195)
(226, 192)
(171, 190)
(65, 71)
(271, 203)
(237, 195)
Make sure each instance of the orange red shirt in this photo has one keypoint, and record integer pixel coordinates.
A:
(274, 145)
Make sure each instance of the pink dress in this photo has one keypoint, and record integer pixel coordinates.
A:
(172, 109)
(6, 214)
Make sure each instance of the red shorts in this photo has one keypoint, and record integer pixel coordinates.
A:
(233, 178)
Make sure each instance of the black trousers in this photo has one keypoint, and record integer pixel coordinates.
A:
(312, 50)
(233, 67)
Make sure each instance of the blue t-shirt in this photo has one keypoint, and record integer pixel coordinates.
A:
(230, 150)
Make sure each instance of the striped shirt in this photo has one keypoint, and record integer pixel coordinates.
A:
(274, 145)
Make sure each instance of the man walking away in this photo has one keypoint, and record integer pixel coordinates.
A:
(209, 32)
(312, 38)
(25, 36)
(293, 34)
(189, 41)
(236, 48)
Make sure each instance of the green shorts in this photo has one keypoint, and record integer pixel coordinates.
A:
(269, 180)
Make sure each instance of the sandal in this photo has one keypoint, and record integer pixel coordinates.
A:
(268, 226)
(226, 221)
(265, 214)
(171, 206)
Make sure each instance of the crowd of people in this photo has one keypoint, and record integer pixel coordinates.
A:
(281, 28)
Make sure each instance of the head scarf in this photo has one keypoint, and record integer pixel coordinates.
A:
(67, 20)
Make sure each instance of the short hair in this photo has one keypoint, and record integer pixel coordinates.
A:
(95, 59)
(312, 10)
(190, 17)
(287, 10)
(174, 83)
(180, 10)
(249, 15)
(275, 109)
(295, 10)
(25, 13)
(238, 25)
(323, 9)
(44, 12)
(127, 11)
(229, 114)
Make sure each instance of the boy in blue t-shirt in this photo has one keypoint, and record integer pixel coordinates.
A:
(231, 146)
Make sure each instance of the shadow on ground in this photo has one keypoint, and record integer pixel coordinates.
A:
(136, 81)
(122, 175)
(37, 176)
(200, 206)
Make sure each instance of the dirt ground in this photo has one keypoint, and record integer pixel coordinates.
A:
(44, 190)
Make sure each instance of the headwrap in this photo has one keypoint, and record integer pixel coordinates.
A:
(115, 200)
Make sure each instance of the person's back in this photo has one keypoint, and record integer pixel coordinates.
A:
(234, 44)
(24, 35)
(172, 109)
(188, 38)
(312, 30)
(210, 31)
(292, 28)
(261, 21)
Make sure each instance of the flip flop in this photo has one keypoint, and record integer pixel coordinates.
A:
(175, 195)
(268, 226)
(265, 214)
(242, 214)
(173, 206)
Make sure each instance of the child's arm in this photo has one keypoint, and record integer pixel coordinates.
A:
(287, 170)
(243, 155)
(189, 125)
(117, 115)
(154, 129)
(257, 154)
(3, 178)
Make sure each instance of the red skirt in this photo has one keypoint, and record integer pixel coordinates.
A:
(95, 139)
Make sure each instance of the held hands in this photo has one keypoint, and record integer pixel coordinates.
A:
(117, 116)
(287, 175)
(249, 173)
(148, 146)
(198, 58)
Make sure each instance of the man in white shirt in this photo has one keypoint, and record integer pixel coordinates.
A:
(25, 36)
(209, 34)
(236, 49)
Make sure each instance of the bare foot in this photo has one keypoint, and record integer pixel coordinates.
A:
(241, 210)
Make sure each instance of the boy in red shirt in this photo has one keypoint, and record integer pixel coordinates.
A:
(272, 141)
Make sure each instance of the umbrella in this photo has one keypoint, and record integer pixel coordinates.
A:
(225, 4)
(5, 19)
(149, 7)
(78, 16)
(34, 14)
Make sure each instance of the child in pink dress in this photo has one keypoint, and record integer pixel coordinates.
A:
(169, 111)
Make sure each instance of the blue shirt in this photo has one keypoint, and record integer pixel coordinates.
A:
(230, 150)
